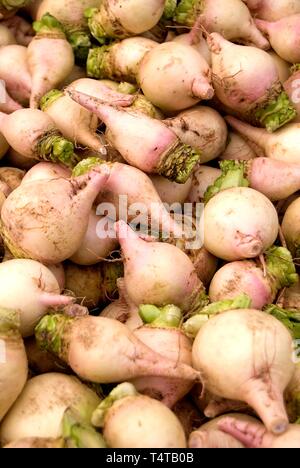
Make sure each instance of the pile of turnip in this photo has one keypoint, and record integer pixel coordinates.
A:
(150, 224)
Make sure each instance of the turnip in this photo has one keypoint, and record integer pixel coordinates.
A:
(36, 443)
(283, 36)
(202, 128)
(119, 61)
(182, 77)
(272, 10)
(210, 436)
(239, 223)
(48, 221)
(6, 36)
(205, 265)
(253, 366)
(50, 58)
(282, 145)
(108, 341)
(291, 86)
(162, 333)
(13, 362)
(41, 361)
(39, 410)
(249, 278)
(150, 277)
(8, 105)
(237, 149)
(291, 228)
(143, 142)
(118, 94)
(247, 83)
(203, 177)
(170, 192)
(37, 286)
(15, 72)
(197, 41)
(283, 67)
(119, 19)
(94, 248)
(255, 435)
(45, 171)
(131, 420)
(21, 30)
(32, 133)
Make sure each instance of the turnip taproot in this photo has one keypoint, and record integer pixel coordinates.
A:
(13, 360)
(47, 222)
(116, 19)
(38, 287)
(255, 435)
(90, 358)
(247, 83)
(184, 77)
(239, 223)
(39, 410)
(272, 10)
(15, 72)
(143, 142)
(258, 347)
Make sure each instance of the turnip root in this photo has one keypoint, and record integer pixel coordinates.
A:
(119, 61)
(210, 436)
(143, 142)
(119, 19)
(20, 29)
(197, 41)
(239, 223)
(94, 248)
(75, 123)
(32, 133)
(13, 360)
(291, 228)
(283, 67)
(36, 443)
(39, 410)
(47, 221)
(247, 83)
(247, 277)
(282, 145)
(255, 364)
(162, 334)
(203, 177)
(6, 36)
(15, 72)
(170, 192)
(272, 10)
(237, 149)
(150, 276)
(105, 91)
(92, 360)
(41, 361)
(182, 77)
(45, 171)
(202, 128)
(50, 58)
(36, 285)
(283, 36)
(255, 435)
(131, 420)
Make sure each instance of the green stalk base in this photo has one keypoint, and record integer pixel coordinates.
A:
(50, 98)
(188, 11)
(99, 64)
(179, 163)
(86, 165)
(103, 25)
(168, 316)
(280, 268)
(50, 332)
(49, 25)
(81, 42)
(233, 175)
(9, 320)
(54, 147)
(13, 4)
(277, 113)
(170, 9)
(289, 318)
(110, 273)
(78, 434)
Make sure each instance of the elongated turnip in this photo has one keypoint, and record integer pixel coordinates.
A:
(47, 222)
(15, 72)
(249, 278)
(116, 19)
(36, 285)
(247, 83)
(13, 360)
(182, 77)
(291, 227)
(118, 94)
(119, 61)
(239, 223)
(150, 277)
(258, 347)
(143, 142)
(202, 128)
(91, 359)
(39, 410)
(255, 435)
(272, 10)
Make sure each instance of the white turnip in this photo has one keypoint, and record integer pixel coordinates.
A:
(143, 142)
(13, 360)
(39, 410)
(246, 355)
(15, 72)
(247, 83)
(36, 285)
(89, 345)
(47, 221)
(174, 77)
(239, 223)
(272, 10)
